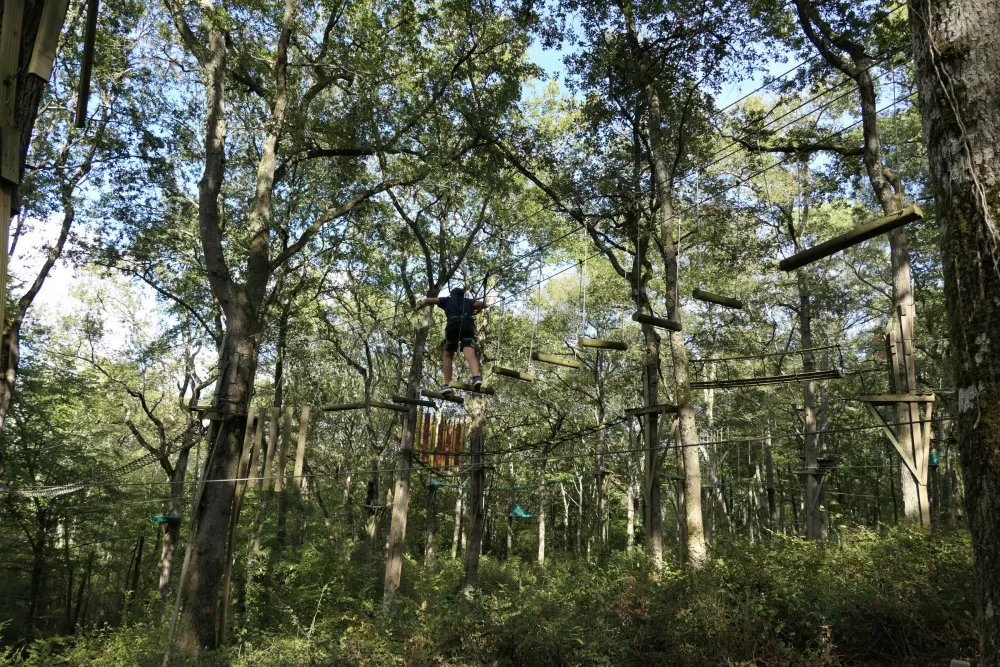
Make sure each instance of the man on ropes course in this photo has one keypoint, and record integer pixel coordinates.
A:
(459, 332)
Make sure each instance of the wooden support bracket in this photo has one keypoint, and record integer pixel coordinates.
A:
(511, 373)
(658, 322)
(599, 344)
(709, 297)
(851, 238)
(556, 360)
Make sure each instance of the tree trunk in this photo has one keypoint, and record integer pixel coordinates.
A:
(171, 531)
(541, 516)
(958, 78)
(477, 512)
(431, 550)
(456, 537)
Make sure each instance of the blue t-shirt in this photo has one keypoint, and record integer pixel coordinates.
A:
(456, 309)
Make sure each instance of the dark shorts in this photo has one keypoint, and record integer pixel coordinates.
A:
(459, 334)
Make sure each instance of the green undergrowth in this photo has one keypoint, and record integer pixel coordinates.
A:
(901, 599)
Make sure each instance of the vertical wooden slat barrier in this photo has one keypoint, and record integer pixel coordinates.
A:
(258, 438)
(286, 436)
(449, 432)
(272, 444)
(425, 437)
(458, 446)
(300, 449)
(439, 445)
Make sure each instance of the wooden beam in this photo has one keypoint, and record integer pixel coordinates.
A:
(600, 344)
(43, 56)
(855, 236)
(465, 386)
(339, 407)
(414, 401)
(300, 450)
(892, 399)
(511, 373)
(657, 322)
(442, 397)
(652, 409)
(87, 63)
(556, 360)
(726, 301)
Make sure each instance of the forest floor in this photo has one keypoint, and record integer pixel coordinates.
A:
(904, 598)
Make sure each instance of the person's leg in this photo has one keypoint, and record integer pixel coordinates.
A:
(473, 361)
(448, 358)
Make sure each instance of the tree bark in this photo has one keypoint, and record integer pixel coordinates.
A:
(958, 79)
(477, 510)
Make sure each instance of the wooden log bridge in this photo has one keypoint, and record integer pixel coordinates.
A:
(339, 407)
(651, 410)
(599, 344)
(437, 395)
(867, 231)
(511, 373)
(403, 400)
(557, 360)
(767, 380)
(658, 322)
(710, 297)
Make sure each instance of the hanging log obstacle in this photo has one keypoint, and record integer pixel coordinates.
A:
(599, 344)
(437, 395)
(710, 297)
(465, 386)
(414, 401)
(651, 410)
(557, 360)
(867, 231)
(511, 373)
(658, 322)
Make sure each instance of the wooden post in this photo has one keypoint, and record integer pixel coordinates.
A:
(10, 144)
(400, 509)
(87, 63)
(477, 514)
(300, 449)
(255, 454)
(286, 436)
(272, 444)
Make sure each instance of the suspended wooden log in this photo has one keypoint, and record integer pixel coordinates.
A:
(414, 401)
(339, 407)
(465, 386)
(892, 399)
(658, 322)
(767, 380)
(867, 231)
(87, 63)
(599, 344)
(557, 360)
(709, 297)
(511, 373)
(652, 409)
(43, 55)
(437, 395)
(300, 450)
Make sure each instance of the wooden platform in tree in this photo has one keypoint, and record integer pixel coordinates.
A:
(511, 373)
(658, 322)
(650, 410)
(851, 238)
(599, 344)
(767, 380)
(557, 360)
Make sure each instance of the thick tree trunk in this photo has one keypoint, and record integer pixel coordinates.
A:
(652, 519)
(171, 532)
(958, 78)
(477, 511)
(431, 550)
(401, 496)
(456, 537)
(541, 516)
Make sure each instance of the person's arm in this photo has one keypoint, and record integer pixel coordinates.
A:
(479, 304)
(428, 301)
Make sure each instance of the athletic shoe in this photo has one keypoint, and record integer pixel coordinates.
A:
(477, 383)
